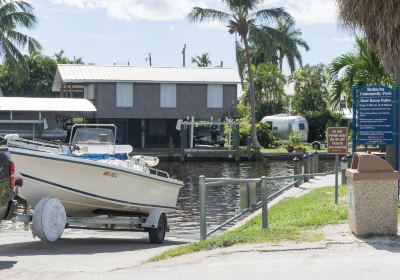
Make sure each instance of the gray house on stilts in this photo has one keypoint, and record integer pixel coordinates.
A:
(146, 102)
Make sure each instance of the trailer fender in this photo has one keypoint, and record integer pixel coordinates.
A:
(152, 219)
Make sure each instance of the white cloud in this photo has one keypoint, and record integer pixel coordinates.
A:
(154, 10)
(212, 25)
(341, 39)
(308, 11)
(304, 11)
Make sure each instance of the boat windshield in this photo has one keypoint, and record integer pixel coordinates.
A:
(93, 135)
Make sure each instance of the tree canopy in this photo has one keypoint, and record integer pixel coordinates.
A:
(14, 16)
(359, 68)
(39, 79)
(202, 60)
(310, 89)
(245, 19)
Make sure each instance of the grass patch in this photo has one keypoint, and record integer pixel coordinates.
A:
(309, 148)
(291, 219)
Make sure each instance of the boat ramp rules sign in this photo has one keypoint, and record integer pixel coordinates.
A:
(375, 116)
(337, 140)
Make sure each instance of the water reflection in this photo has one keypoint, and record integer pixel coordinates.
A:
(223, 201)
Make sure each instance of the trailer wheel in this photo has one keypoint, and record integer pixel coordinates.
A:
(157, 235)
(49, 219)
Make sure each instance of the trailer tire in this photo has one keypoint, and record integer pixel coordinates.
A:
(49, 219)
(157, 235)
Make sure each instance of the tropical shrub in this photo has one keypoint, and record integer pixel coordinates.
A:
(318, 121)
(244, 132)
(264, 134)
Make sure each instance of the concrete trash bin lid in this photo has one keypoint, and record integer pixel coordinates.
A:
(370, 167)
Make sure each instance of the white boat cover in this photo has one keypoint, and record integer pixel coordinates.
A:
(46, 104)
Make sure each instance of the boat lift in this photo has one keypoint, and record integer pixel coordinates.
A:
(187, 141)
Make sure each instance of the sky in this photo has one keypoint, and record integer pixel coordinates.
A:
(105, 32)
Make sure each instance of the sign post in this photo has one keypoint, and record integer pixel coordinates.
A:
(337, 145)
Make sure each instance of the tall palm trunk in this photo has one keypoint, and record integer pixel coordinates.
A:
(281, 57)
(390, 149)
(256, 145)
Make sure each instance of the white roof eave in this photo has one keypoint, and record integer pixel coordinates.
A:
(105, 74)
(25, 104)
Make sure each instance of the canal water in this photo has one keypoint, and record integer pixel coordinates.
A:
(223, 201)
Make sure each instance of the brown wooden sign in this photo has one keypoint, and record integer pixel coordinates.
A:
(337, 140)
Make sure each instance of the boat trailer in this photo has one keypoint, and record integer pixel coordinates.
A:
(49, 220)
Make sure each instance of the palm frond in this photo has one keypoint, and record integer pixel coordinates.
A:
(274, 14)
(200, 15)
(248, 5)
(379, 21)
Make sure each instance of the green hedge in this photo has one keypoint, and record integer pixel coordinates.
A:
(318, 121)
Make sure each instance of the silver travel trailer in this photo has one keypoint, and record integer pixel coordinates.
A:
(282, 125)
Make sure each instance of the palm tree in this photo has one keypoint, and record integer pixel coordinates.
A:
(380, 21)
(360, 69)
(60, 58)
(290, 51)
(15, 15)
(244, 19)
(202, 60)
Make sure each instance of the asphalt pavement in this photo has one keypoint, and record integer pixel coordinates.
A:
(82, 254)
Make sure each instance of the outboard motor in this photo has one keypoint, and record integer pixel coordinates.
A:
(68, 127)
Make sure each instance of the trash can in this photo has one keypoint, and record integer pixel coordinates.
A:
(372, 196)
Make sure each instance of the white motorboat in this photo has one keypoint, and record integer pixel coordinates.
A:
(92, 176)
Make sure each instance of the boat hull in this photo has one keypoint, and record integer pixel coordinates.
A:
(87, 187)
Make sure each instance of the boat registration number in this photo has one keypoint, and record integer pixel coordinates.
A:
(110, 174)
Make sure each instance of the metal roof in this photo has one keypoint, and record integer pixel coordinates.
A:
(75, 73)
(282, 117)
(46, 104)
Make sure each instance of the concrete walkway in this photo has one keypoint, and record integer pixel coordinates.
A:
(108, 255)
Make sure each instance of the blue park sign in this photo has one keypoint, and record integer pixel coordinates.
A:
(375, 115)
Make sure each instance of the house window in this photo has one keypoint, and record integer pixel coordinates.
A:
(215, 96)
(88, 92)
(124, 95)
(168, 96)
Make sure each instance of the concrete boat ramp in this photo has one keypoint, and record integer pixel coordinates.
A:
(77, 251)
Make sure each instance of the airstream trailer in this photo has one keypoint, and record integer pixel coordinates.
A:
(282, 125)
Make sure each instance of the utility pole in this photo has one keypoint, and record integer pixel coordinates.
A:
(184, 55)
(149, 59)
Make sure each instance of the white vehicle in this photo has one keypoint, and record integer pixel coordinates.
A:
(93, 177)
(282, 125)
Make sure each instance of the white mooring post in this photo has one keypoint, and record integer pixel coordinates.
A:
(202, 200)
